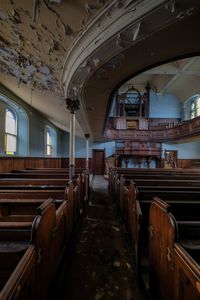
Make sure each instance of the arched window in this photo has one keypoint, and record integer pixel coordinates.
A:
(10, 132)
(48, 143)
(195, 108)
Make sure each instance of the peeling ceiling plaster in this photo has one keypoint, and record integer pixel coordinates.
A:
(35, 37)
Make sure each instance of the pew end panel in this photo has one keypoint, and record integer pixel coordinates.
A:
(162, 233)
(187, 275)
(69, 212)
(21, 283)
(135, 223)
(44, 238)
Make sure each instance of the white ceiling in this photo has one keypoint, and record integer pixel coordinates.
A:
(180, 77)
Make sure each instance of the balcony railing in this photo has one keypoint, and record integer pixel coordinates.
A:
(179, 131)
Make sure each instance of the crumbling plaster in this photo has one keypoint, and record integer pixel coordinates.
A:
(35, 37)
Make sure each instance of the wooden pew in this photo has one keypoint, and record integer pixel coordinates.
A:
(31, 193)
(33, 181)
(18, 238)
(152, 179)
(134, 203)
(19, 202)
(55, 173)
(42, 175)
(114, 174)
(22, 283)
(147, 189)
(174, 252)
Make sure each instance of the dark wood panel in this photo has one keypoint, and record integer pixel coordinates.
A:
(9, 163)
(79, 163)
(20, 163)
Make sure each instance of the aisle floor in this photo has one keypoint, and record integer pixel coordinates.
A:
(100, 266)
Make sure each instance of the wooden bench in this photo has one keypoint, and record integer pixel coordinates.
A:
(34, 262)
(174, 252)
(134, 203)
(114, 174)
(16, 238)
(33, 181)
(31, 193)
(56, 173)
(147, 189)
(19, 199)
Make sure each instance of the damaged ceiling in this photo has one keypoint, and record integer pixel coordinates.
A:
(35, 37)
(52, 49)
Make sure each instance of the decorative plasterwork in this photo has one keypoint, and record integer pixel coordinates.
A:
(114, 18)
(120, 25)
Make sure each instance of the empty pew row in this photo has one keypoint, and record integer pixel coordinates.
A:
(174, 252)
(146, 189)
(135, 201)
(59, 233)
(22, 186)
(114, 174)
(32, 251)
(52, 173)
(18, 208)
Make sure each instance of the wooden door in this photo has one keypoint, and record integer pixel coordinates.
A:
(98, 157)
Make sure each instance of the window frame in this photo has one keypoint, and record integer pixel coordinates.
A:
(7, 133)
(195, 107)
(48, 145)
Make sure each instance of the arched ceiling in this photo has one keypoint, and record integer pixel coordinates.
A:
(175, 41)
(85, 49)
(179, 77)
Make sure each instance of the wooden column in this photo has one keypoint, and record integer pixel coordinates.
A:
(87, 152)
(72, 106)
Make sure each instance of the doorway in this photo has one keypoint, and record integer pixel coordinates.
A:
(98, 158)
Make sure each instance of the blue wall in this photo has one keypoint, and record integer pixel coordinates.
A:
(108, 146)
(81, 144)
(185, 151)
(164, 106)
(36, 124)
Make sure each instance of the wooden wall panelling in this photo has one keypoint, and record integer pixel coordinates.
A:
(16, 163)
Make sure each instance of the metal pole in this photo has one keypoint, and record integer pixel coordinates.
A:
(72, 146)
(72, 106)
(87, 152)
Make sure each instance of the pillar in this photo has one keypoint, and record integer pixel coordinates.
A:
(87, 152)
(72, 106)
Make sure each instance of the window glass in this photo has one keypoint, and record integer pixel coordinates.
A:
(198, 107)
(192, 109)
(10, 132)
(10, 122)
(195, 108)
(48, 144)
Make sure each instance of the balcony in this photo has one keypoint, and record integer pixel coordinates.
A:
(157, 133)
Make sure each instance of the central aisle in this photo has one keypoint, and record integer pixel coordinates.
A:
(100, 266)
